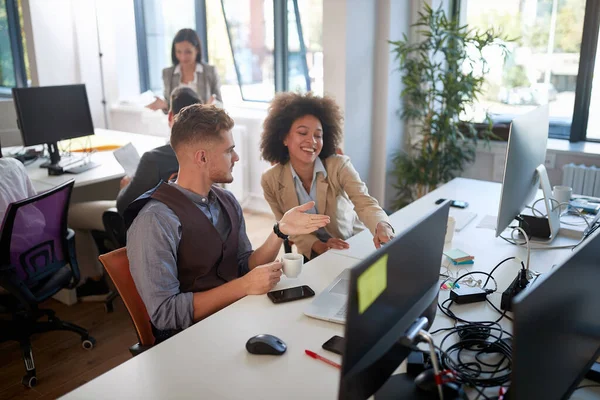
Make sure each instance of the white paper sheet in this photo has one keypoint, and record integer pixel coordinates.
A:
(128, 157)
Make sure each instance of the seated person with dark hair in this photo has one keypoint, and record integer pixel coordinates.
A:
(157, 164)
(188, 250)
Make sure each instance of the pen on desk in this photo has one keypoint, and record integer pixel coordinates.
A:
(325, 360)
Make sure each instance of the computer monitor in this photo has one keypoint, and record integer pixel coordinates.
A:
(524, 171)
(49, 114)
(409, 268)
(556, 328)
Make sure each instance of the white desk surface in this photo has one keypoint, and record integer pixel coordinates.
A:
(209, 360)
(109, 167)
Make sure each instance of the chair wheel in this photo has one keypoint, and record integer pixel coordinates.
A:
(88, 343)
(29, 381)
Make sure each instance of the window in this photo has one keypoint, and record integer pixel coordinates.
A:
(240, 42)
(543, 65)
(250, 27)
(305, 45)
(13, 70)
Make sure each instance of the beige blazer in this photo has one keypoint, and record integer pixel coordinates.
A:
(341, 195)
(207, 83)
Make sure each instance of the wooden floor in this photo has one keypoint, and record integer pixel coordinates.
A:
(62, 364)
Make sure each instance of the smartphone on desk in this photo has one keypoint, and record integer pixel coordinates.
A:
(455, 203)
(290, 294)
(335, 345)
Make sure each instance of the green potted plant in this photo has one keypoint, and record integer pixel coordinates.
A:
(443, 73)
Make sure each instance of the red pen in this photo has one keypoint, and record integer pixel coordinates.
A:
(325, 360)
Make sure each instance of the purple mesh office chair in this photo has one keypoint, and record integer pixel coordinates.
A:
(37, 259)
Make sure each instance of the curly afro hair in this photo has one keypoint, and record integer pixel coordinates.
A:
(288, 107)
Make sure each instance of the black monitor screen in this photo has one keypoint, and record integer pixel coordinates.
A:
(413, 261)
(557, 328)
(52, 113)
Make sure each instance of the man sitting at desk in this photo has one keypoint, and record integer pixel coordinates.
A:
(157, 164)
(187, 246)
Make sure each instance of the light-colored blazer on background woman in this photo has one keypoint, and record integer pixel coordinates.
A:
(341, 195)
(207, 82)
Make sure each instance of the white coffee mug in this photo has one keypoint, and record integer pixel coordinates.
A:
(450, 229)
(562, 194)
(292, 264)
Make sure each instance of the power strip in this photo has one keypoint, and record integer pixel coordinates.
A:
(517, 286)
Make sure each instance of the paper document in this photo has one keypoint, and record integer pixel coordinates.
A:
(128, 157)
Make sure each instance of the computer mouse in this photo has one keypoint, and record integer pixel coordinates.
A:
(266, 344)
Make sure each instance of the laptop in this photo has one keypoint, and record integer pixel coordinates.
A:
(418, 245)
(332, 303)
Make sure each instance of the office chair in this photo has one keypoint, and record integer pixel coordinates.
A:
(37, 259)
(114, 226)
(117, 266)
(113, 237)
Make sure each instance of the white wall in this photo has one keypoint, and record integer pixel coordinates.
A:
(9, 133)
(64, 42)
(360, 73)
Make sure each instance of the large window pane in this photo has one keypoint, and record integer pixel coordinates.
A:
(543, 62)
(219, 52)
(305, 45)
(593, 128)
(250, 28)
(7, 72)
(163, 18)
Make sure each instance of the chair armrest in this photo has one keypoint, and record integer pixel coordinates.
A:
(70, 240)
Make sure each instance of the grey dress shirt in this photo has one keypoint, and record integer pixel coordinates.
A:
(152, 243)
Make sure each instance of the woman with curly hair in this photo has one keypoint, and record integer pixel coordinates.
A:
(300, 136)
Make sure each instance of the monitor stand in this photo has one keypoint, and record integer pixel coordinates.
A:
(403, 386)
(72, 164)
(54, 155)
(552, 208)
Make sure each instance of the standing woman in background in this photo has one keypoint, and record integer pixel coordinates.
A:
(189, 70)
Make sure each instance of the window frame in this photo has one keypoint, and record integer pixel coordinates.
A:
(16, 48)
(280, 45)
(583, 88)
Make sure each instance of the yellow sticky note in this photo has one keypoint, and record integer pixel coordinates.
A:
(372, 283)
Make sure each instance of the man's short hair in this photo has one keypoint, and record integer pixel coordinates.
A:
(199, 122)
(183, 97)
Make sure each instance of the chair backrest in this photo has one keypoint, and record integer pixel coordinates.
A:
(117, 266)
(33, 236)
(114, 226)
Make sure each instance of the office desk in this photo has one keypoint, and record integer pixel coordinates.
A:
(109, 168)
(209, 359)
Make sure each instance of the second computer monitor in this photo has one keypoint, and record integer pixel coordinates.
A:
(404, 276)
(557, 327)
(525, 152)
(50, 114)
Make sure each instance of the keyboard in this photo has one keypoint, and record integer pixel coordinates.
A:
(342, 311)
